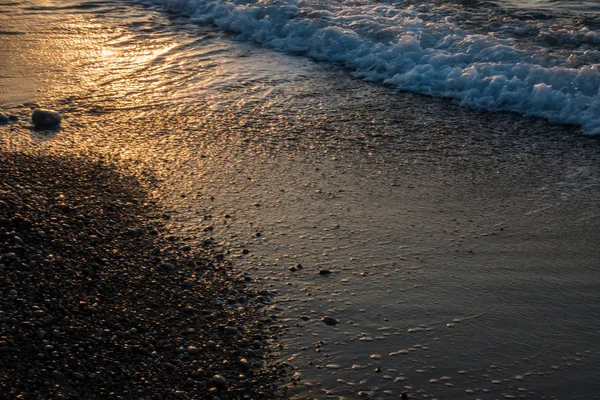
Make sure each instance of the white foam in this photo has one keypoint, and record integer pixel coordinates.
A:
(425, 49)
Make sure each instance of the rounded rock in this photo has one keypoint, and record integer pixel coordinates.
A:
(329, 320)
(78, 375)
(3, 119)
(232, 330)
(45, 118)
(219, 380)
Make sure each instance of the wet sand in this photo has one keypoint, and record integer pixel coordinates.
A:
(462, 244)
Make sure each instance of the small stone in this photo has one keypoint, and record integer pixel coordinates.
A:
(10, 256)
(220, 381)
(231, 330)
(329, 320)
(57, 375)
(3, 119)
(78, 375)
(245, 365)
(193, 350)
(45, 118)
(324, 272)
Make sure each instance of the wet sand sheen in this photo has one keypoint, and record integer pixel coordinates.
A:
(461, 244)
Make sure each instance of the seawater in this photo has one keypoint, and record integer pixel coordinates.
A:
(588, 8)
(485, 55)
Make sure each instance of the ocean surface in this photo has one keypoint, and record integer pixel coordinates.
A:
(368, 139)
(536, 58)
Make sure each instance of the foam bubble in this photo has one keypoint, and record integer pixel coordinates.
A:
(555, 74)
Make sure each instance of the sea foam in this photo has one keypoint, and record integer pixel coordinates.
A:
(429, 49)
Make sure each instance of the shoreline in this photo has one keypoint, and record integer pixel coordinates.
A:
(98, 303)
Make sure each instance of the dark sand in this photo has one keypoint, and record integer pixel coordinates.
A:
(96, 303)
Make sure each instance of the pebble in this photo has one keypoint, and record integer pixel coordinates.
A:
(78, 375)
(329, 320)
(219, 380)
(3, 119)
(245, 365)
(45, 118)
(232, 330)
(324, 272)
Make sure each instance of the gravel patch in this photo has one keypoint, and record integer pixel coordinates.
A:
(97, 303)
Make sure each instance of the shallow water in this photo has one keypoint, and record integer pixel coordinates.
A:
(540, 63)
(462, 244)
(588, 7)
